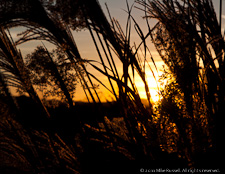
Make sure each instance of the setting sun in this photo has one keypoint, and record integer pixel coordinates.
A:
(153, 90)
(153, 84)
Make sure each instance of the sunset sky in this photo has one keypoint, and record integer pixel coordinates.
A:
(87, 49)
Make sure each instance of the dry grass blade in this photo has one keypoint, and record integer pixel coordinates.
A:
(14, 66)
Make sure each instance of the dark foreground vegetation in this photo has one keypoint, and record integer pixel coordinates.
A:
(185, 129)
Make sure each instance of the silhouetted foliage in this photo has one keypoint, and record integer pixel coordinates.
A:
(69, 11)
(188, 51)
(186, 125)
(48, 69)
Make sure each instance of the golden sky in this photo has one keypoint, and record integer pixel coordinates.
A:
(87, 49)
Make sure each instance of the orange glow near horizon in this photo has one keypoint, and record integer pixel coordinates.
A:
(153, 89)
(153, 83)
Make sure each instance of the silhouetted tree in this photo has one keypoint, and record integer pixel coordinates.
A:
(52, 73)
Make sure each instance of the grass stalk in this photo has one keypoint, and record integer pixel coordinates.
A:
(15, 60)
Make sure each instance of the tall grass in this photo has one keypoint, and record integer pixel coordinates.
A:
(13, 70)
(51, 28)
(186, 50)
(32, 151)
(194, 53)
